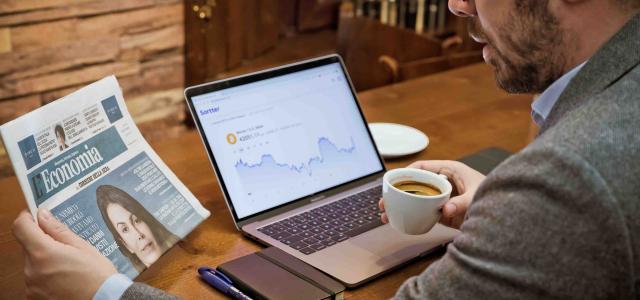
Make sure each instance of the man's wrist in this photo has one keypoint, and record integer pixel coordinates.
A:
(113, 287)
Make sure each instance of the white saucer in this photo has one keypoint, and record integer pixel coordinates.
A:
(395, 140)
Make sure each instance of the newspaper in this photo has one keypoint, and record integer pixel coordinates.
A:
(83, 158)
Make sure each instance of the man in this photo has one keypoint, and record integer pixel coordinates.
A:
(557, 220)
(560, 218)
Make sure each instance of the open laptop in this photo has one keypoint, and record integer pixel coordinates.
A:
(300, 171)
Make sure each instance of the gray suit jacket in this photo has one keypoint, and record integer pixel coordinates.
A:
(560, 219)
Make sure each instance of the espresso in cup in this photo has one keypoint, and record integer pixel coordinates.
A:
(417, 188)
(413, 199)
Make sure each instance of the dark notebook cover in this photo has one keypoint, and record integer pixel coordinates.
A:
(274, 274)
(484, 161)
(303, 270)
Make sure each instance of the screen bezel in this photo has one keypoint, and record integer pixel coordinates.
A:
(215, 86)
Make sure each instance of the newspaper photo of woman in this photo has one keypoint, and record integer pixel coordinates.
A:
(141, 238)
(61, 137)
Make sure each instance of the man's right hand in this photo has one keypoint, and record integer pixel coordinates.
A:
(465, 181)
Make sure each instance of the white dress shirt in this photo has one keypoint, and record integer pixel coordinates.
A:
(541, 107)
(113, 287)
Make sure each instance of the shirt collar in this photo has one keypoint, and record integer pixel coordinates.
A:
(541, 107)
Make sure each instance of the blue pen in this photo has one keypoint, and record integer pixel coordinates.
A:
(221, 283)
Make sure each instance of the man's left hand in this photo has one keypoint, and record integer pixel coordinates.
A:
(58, 263)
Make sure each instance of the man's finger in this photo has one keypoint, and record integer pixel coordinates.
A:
(381, 204)
(449, 210)
(27, 232)
(384, 218)
(445, 221)
(455, 206)
(57, 230)
(436, 166)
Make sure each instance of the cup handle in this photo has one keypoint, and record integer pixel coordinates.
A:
(447, 179)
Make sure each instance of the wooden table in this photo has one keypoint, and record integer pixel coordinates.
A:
(461, 111)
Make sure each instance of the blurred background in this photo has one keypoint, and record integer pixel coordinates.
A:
(50, 48)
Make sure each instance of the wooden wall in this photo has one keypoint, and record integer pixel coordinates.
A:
(49, 48)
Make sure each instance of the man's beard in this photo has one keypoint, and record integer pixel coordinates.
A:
(534, 57)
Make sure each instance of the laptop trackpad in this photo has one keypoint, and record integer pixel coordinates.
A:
(386, 242)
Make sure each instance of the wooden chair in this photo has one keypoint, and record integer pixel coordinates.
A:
(401, 72)
(377, 54)
(362, 42)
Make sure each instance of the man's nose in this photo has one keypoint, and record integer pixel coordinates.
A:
(463, 8)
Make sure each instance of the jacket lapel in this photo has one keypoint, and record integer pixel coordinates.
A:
(608, 65)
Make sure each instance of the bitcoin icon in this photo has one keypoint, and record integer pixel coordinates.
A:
(231, 138)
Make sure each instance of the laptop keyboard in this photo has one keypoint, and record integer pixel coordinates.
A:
(329, 224)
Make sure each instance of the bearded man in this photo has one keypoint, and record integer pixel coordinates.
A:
(560, 219)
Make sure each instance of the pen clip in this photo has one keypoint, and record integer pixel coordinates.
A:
(214, 272)
(222, 276)
(202, 270)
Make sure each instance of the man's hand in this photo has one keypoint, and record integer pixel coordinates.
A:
(58, 263)
(465, 181)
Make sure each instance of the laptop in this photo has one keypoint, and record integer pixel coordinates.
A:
(300, 171)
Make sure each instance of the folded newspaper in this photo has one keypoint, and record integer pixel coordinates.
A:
(83, 158)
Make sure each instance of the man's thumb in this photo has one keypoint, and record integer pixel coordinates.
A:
(454, 207)
(57, 230)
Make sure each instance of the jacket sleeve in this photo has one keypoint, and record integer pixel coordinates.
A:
(544, 224)
(140, 291)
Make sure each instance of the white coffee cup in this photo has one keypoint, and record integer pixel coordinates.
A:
(410, 213)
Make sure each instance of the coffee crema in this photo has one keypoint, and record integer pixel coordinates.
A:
(417, 188)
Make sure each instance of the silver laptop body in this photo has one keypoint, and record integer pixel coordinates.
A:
(299, 170)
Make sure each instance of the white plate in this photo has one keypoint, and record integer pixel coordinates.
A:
(394, 140)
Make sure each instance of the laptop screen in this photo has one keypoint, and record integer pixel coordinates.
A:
(283, 138)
